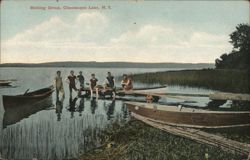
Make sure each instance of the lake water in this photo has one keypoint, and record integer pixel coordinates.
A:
(64, 129)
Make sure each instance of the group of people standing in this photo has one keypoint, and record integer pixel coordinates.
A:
(72, 81)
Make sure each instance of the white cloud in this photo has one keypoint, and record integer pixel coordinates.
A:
(87, 38)
(148, 34)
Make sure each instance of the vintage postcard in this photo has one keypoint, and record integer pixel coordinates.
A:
(124, 80)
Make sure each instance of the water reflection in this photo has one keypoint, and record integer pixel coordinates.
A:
(110, 111)
(18, 113)
(81, 106)
(125, 111)
(59, 107)
(93, 105)
(42, 137)
(72, 106)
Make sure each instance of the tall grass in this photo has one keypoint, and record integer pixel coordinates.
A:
(138, 141)
(225, 80)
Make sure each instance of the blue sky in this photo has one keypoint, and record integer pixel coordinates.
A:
(142, 31)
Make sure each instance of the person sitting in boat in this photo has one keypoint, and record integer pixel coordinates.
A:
(110, 84)
(80, 78)
(93, 85)
(58, 84)
(127, 83)
(71, 80)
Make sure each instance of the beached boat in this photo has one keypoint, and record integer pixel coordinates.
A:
(26, 98)
(5, 82)
(189, 117)
(13, 115)
(201, 136)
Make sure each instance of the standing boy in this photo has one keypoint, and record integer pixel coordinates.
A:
(81, 79)
(71, 80)
(58, 84)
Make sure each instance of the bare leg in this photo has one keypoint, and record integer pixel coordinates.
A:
(57, 94)
(62, 92)
(113, 95)
(70, 91)
(91, 92)
(97, 94)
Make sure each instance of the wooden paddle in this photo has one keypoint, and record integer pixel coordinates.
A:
(26, 91)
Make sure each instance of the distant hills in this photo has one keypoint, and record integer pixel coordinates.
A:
(93, 64)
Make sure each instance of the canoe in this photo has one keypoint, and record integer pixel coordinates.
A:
(26, 98)
(5, 82)
(14, 115)
(188, 117)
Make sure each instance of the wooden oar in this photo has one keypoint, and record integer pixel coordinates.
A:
(150, 93)
(26, 91)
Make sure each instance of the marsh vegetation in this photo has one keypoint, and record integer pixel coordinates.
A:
(217, 79)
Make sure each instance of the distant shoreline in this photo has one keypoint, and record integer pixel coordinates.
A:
(111, 65)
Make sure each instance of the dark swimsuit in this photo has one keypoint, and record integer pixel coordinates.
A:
(72, 83)
(93, 83)
(110, 82)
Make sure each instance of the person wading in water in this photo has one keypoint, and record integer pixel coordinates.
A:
(58, 84)
(71, 80)
(80, 78)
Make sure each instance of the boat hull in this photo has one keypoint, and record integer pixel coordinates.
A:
(5, 83)
(29, 98)
(190, 119)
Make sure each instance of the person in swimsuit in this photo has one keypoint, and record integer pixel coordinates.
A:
(127, 83)
(58, 84)
(110, 83)
(71, 80)
(80, 78)
(93, 85)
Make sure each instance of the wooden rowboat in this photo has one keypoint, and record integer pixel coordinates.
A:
(201, 137)
(188, 117)
(26, 98)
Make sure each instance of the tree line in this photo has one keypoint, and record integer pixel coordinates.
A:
(239, 57)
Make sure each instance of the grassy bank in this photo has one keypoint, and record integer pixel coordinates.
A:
(136, 141)
(237, 81)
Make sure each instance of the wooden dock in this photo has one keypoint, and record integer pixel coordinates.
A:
(229, 96)
(200, 137)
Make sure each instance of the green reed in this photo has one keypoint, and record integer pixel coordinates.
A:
(217, 79)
